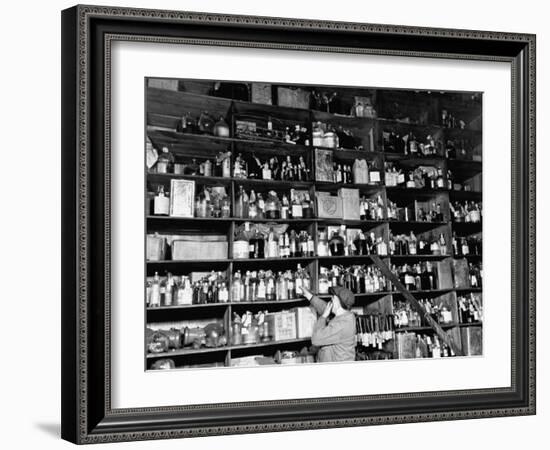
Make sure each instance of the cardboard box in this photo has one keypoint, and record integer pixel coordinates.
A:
(328, 206)
(293, 98)
(305, 320)
(461, 273)
(350, 203)
(282, 325)
(324, 165)
(472, 341)
(444, 275)
(156, 247)
(199, 247)
(182, 198)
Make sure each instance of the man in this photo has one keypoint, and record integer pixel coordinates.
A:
(336, 337)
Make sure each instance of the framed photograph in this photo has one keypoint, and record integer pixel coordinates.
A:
(284, 224)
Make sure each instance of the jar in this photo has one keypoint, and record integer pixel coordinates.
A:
(318, 138)
(163, 364)
(221, 128)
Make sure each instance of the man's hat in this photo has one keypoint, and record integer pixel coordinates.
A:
(345, 295)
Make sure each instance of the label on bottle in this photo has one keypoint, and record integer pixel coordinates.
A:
(409, 279)
(374, 176)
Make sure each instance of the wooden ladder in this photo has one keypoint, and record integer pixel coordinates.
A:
(446, 338)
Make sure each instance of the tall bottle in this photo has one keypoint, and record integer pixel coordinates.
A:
(155, 291)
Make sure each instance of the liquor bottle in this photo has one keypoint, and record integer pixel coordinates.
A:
(297, 208)
(237, 289)
(281, 287)
(272, 246)
(307, 207)
(270, 286)
(465, 250)
(291, 285)
(155, 292)
(381, 247)
(408, 278)
(310, 245)
(206, 123)
(241, 243)
(412, 244)
(285, 208)
(259, 245)
(293, 244)
(223, 293)
(322, 244)
(440, 181)
(324, 285)
(161, 203)
(169, 289)
(252, 206)
(262, 287)
(272, 206)
(185, 292)
(336, 245)
(442, 244)
(435, 249)
(239, 204)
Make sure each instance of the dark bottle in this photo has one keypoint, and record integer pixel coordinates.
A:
(206, 123)
(336, 245)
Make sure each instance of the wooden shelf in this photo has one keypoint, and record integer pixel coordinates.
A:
(424, 328)
(470, 324)
(227, 304)
(270, 344)
(186, 352)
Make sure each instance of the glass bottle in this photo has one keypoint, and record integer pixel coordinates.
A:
(221, 128)
(165, 161)
(272, 206)
(336, 245)
(155, 291)
(206, 123)
(161, 203)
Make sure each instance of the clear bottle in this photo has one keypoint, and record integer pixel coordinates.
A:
(161, 203)
(221, 128)
(165, 161)
(155, 291)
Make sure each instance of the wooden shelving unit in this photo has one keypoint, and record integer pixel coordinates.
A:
(164, 109)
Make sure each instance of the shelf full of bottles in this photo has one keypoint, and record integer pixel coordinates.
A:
(260, 194)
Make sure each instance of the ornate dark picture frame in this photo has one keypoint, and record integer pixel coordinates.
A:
(87, 35)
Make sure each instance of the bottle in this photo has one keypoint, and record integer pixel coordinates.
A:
(165, 161)
(336, 245)
(270, 286)
(310, 246)
(412, 244)
(223, 293)
(161, 203)
(440, 181)
(281, 287)
(226, 207)
(260, 206)
(221, 128)
(237, 290)
(442, 244)
(241, 244)
(206, 123)
(155, 292)
(239, 204)
(262, 288)
(293, 244)
(259, 245)
(272, 206)
(307, 209)
(285, 208)
(169, 287)
(322, 244)
(272, 247)
(297, 211)
(252, 206)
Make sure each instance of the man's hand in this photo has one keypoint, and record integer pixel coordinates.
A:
(307, 293)
(327, 311)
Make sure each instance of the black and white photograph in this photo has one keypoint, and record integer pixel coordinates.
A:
(310, 224)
